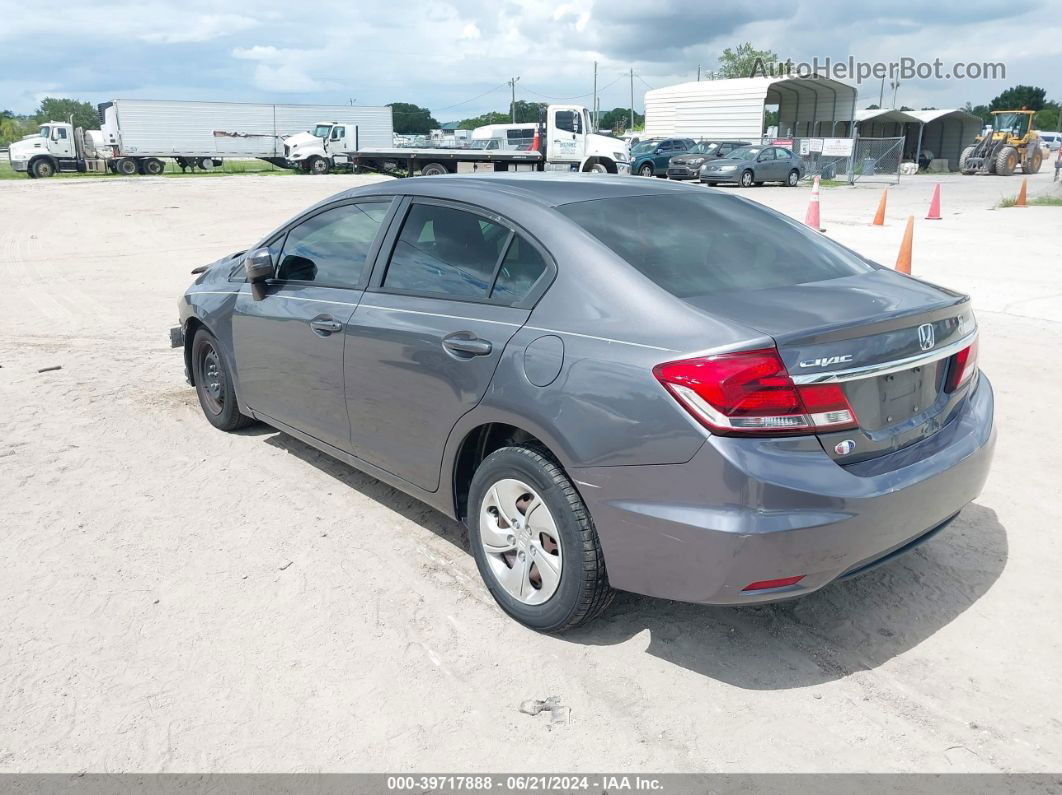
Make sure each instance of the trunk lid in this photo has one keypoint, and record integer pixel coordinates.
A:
(896, 329)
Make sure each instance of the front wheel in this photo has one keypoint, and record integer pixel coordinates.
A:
(793, 178)
(42, 168)
(746, 179)
(320, 165)
(645, 169)
(534, 542)
(213, 384)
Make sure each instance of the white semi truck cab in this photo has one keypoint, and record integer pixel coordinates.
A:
(57, 146)
(322, 148)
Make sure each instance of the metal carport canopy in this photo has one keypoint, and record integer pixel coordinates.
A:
(733, 109)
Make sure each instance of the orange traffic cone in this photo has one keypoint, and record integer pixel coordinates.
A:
(1022, 199)
(812, 218)
(879, 217)
(934, 205)
(903, 261)
(535, 141)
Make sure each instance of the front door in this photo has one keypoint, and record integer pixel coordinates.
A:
(62, 145)
(426, 339)
(566, 133)
(289, 344)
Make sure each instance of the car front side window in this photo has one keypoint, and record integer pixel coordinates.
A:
(332, 248)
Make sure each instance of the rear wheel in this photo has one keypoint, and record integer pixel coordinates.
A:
(1032, 163)
(433, 170)
(746, 179)
(213, 384)
(793, 178)
(153, 166)
(645, 169)
(127, 166)
(1006, 161)
(534, 542)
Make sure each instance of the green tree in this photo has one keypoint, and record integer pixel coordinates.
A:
(528, 112)
(13, 127)
(493, 117)
(978, 110)
(1049, 117)
(61, 109)
(745, 61)
(1017, 97)
(412, 119)
(619, 119)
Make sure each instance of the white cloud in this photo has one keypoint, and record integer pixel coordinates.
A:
(203, 27)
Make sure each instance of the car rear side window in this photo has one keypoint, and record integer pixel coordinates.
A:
(694, 245)
(522, 266)
(446, 252)
(332, 247)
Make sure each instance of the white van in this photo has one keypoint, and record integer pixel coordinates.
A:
(518, 137)
(1052, 139)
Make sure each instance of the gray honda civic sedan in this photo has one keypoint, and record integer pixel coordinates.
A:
(615, 383)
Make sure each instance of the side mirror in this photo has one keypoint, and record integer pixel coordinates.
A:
(258, 265)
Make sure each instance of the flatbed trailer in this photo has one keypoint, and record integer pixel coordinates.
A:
(565, 143)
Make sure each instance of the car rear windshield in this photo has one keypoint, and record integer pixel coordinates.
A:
(693, 245)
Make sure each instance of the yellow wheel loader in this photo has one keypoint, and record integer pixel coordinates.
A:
(1011, 143)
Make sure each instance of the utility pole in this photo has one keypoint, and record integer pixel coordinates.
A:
(632, 99)
(881, 96)
(895, 86)
(698, 73)
(595, 95)
(512, 107)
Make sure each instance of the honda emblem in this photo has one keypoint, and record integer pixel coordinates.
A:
(926, 337)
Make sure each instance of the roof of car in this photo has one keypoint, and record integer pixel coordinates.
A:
(543, 188)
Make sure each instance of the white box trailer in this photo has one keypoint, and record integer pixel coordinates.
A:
(137, 133)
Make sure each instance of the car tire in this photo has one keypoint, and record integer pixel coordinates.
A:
(645, 170)
(506, 541)
(433, 170)
(793, 178)
(213, 384)
(43, 168)
(746, 179)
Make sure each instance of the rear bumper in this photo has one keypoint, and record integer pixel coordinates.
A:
(748, 510)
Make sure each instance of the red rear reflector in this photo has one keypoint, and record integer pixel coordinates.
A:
(963, 366)
(763, 585)
(751, 393)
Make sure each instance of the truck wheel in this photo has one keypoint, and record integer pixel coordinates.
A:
(1006, 161)
(962, 158)
(645, 169)
(433, 170)
(598, 168)
(534, 542)
(152, 166)
(127, 166)
(320, 165)
(1032, 165)
(42, 168)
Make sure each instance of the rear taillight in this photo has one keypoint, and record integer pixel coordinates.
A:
(751, 393)
(963, 366)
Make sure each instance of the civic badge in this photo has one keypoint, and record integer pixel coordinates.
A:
(926, 337)
(845, 447)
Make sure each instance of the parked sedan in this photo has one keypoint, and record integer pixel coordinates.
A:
(754, 165)
(650, 158)
(614, 384)
(688, 164)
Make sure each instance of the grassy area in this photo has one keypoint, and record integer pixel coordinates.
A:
(228, 167)
(1039, 201)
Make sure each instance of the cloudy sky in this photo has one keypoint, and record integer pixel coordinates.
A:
(454, 56)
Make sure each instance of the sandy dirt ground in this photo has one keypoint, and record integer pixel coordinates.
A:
(173, 598)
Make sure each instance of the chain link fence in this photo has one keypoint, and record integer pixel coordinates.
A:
(871, 160)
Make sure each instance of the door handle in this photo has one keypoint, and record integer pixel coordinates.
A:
(325, 325)
(465, 345)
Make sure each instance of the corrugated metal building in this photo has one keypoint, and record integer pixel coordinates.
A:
(944, 132)
(734, 109)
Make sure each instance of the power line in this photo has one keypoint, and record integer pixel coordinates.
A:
(579, 96)
(473, 99)
(642, 79)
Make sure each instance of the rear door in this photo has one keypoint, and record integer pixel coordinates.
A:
(289, 344)
(453, 285)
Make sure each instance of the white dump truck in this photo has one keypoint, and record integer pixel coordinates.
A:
(566, 142)
(136, 135)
